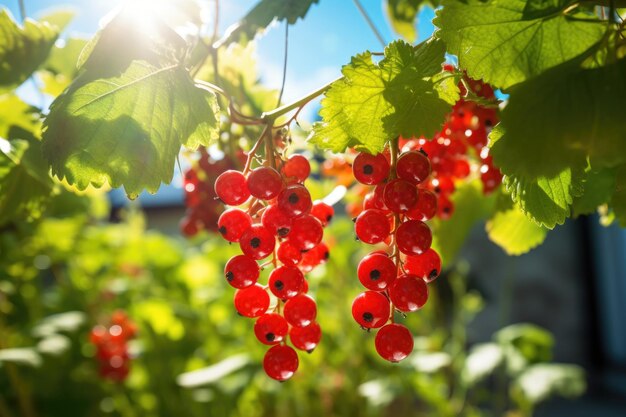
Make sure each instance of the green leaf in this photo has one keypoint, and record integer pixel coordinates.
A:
(481, 362)
(618, 201)
(402, 15)
(21, 356)
(580, 112)
(542, 381)
(375, 102)
(546, 200)
(470, 207)
(124, 119)
(262, 15)
(61, 68)
(24, 180)
(213, 373)
(14, 112)
(514, 232)
(22, 49)
(505, 42)
(598, 188)
(58, 17)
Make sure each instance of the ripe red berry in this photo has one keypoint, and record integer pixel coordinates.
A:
(295, 200)
(426, 206)
(231, 188)
(241, 271)
(414, 237)
(369, 169)
(271, 328)
(376, 271)
(371, 309)
(289, 254)
(300, 311)
(394, 342)
(408, 293)
(233, 223)
(280, 362)
(400, 196)
(316, 256)
(276, 221)
(372, 226)
(306, 338)
(286, 282)
(264, 183)
(413, 166)
(322, 212)
(252, 301)
(306, 232)
(426, 266)
(297, 167)
(257, 242)
(445, 207)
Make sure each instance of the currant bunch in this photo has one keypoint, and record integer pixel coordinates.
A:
(461, 146)
(279, 222)
(394, 213)
(111, 342)
(203, 208)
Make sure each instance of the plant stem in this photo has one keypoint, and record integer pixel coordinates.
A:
(216, 21)
(22, 10)
(270, 116)
(393, 149)
(370, 22)
(282, 86)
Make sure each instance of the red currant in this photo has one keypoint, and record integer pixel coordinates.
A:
(280, 362)
(369, 169)
(322, 212)
(257, 242)
(264, 183)
(306, 338)
(297, 167)
(376, 271)
(286, 282)
(231, 188)
(289, 254)
(371, 309)
(394, 342)
(408, 293)
(295, 200)
(400, 196)
(306, 232)
(372, 226)
(413, 166)
(241, 271)
(233, 223)
(300, 311)
(426, 266)
(426, 206)
(414, 237)
(252, 301)
(271, 328)
(275, 220)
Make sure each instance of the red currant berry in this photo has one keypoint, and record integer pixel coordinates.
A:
(295, 200)
(241, 271)
(414, 237)
(276, 221)
(300, 311)
(445, 207)
(413, 166)
(297, 167)
(376, 271)
(371, 309)
(408, 293)
(306, 338)
(264, 183)
(306, 232)
(189, 227)
(426, 206)
(233, 223)
(257, 242)
(316, 256)
(280, 362)
(322, 212)
(231, 188)
(426, 266)
(394, 342)
(369, 169)
(289, 254)
(271, 328)
(286, 282)
(252, 301)
(372, 226)
(400, 196)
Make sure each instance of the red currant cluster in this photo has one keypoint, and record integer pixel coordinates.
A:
(280, 221)
(394, 213)
(111, 343)
(465, 132)
(203, 208)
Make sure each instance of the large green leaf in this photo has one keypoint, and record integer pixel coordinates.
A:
(505, 42)
(402, 15)
(61, 68)
(58, 17)
(618, 201)
(24, 180)
(124, 119)
(14, 112)
(514, 232)
(546, 200)
(22, 49)
(598, 188)
(403, 94)
(264, 13)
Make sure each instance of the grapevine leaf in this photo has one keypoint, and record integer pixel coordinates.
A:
(22, 49)
(14, 112)
(58, 17)
(599, 186)
(515, 233)
(402, 15)
(60, 68)
(470, 207)
(580, 112)
(124, 119)
(546, 200)
(262, 15)
(24, 180)
(618, 201)
(403, 94)
(506, 42)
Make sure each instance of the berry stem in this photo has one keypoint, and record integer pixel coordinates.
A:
(393, 150)
(254, 149)
(276, 113)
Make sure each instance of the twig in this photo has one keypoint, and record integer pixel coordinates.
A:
(282, 86)
(22, 9)
(370, 22)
